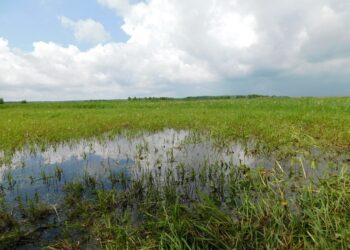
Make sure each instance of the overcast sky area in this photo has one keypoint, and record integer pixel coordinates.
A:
(109, 49)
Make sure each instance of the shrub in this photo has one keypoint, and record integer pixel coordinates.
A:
(2, 101)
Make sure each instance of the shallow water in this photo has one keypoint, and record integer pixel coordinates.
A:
(44, 173)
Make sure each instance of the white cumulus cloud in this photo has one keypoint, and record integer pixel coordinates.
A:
(87, 30)
(191, 47)
(121, 6)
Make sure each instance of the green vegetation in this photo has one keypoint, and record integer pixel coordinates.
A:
(2, 101)
(277, 124)
(219, 207)
(251, 210)
(216, 206)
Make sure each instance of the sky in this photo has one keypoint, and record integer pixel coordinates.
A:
(109, 49)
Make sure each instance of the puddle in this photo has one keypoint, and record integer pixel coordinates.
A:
(45, 173)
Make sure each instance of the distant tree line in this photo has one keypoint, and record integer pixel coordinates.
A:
(228, 97)
(149, 98)
(3, 102)
(252, 96)
(233, 97)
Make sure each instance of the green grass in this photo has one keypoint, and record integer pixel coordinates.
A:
(277, 124)
(218, 207)
(256, 210)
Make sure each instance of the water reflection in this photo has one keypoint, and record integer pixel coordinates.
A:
(45, 173)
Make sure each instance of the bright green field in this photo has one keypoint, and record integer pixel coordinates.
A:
(276, 123)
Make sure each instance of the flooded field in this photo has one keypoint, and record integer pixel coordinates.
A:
(172, 165)
(43, 173)
(241, 180)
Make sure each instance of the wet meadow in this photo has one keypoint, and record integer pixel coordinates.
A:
(231, 173)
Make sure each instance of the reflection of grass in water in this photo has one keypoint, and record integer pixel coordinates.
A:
(58, 173)
(10, 180)
(219, 207)
(14, 232)
(142, 150)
